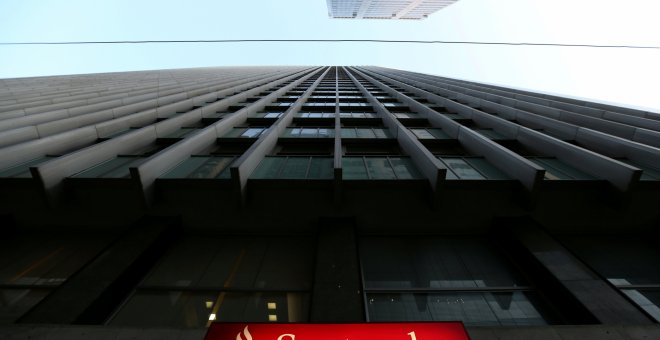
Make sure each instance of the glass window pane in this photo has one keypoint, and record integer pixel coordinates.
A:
(23, 170)
(353, 167)
(438, 133)
(623, 260)
(649, 174)
(486, 168)
(116, 167)
(365, 133)
(272, 114)
(382, 133)
(461, 168)
(404, 168)
(269, 167)
(184, 168)
(46, 260)
(122, 171)
(556, 170)
(235, 132)
(422, 134)
(180, 309)
(489, 133)
(474, 309)
(379, 168)
(321, 168)
(565, 168)
(434, 263)
(289, 132)
(180, 133)
(16, 302)
(252, 132)
(647, 300)
(307, 132)
(295, 167)
(326, 133)
(450, 175)
(348, 133)
(212, 167)
(233, 262)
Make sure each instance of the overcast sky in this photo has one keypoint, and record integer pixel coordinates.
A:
(625, 76)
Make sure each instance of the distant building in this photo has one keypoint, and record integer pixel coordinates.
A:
(385, 9)
(138, 201)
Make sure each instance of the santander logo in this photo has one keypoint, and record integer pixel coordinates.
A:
(349, 331)
(248, 336)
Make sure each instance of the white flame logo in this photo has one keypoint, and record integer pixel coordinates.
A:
(247, 334)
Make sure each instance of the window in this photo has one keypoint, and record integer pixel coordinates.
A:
(350, 132)
(429, 133)
(491, 134)
(270, 115)
(630, 263)
(649, 173)
(46, 262)
(297, 167)
(379, 168)
(358, 115)
(441, 279)
(558, 170)
(202, 167)
(308, 132)
(245, 132)
(315, 115)
(23, 170)
(226, 279)
(471, 168)
(181, 133)
(117, 167)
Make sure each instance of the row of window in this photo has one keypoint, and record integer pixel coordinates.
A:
(269, 279)
(464, 168)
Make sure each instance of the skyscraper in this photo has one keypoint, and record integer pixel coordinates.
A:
(175, 198)
(385, 9)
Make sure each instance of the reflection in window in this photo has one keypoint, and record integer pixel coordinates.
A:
(628, 262)
(117, 167)
(387, 168)
(202, 167)
(349, 132)
(191, 309)
(315, 115)
(434, 263)
(308, 133)
(440, 279)
(45, 262)
(648, 300)
(181, 133)
(558, 170)
(23, 170)
(16, 302)
(242, 132)
(650, 173)
(471, 168)
(252, 132)
(429, 133)
(271, 115)
(298, 167)
(202, 279)
(473, 308)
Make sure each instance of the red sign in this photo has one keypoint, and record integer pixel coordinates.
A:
(351, 331)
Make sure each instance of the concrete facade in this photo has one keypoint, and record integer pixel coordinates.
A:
(385, 9)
